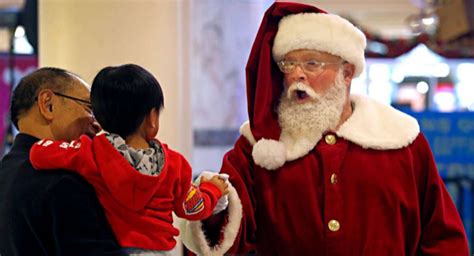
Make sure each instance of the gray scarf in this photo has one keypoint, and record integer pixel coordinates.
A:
(148, 161)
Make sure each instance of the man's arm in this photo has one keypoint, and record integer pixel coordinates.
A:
(79, 226)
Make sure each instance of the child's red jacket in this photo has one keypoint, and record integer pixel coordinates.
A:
(138, 207)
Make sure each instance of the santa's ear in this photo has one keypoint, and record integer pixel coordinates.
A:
(348, 72)
(45, 100)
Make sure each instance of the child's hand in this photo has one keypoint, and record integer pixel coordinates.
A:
(218, 182)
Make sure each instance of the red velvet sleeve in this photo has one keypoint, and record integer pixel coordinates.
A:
(442, 229)
(75, 156)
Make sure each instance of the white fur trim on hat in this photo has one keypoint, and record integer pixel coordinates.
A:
(322, 32)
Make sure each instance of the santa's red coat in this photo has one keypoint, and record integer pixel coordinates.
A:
(386, 203)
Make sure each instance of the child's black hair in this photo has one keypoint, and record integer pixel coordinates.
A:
(122, 96)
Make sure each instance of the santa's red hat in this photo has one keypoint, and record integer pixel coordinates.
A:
(286, 27)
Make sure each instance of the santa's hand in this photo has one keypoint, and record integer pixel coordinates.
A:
(217, 181)
(224, 176)
(223, 202)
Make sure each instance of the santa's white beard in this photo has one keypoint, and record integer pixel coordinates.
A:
(302, 124)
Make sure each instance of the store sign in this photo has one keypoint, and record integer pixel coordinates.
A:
(451, 137)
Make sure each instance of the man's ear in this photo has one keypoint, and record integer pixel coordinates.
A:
(348, 72)
(45, 104)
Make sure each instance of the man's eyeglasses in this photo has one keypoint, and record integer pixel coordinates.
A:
(310, 66)
(86, 104)
(81, 101)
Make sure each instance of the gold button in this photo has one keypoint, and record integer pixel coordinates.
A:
(333, 178)
(334, 225)
(330, 139)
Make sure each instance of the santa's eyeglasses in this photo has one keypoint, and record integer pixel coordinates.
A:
(310, 66)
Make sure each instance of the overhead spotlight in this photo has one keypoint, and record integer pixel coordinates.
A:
(414, 23)
(424, 22)
(430, 21)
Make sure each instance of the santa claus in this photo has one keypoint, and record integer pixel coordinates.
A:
(319, 171)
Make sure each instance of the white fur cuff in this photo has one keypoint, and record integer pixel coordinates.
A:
(193, 237)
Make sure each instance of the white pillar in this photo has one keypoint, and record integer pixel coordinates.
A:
(86, 35)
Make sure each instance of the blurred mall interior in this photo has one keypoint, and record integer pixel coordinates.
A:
(420, 59)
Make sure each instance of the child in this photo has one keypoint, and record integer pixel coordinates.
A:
(138, 180)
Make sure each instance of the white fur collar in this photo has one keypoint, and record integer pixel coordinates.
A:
(372, 125)
(378, 126)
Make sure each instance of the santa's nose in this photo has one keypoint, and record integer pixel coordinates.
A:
(300, 75)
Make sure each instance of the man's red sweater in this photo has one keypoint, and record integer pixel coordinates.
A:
(138, 207)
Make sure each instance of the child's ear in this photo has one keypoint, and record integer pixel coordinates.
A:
(152, 124)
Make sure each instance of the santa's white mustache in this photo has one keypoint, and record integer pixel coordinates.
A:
(299, 90)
